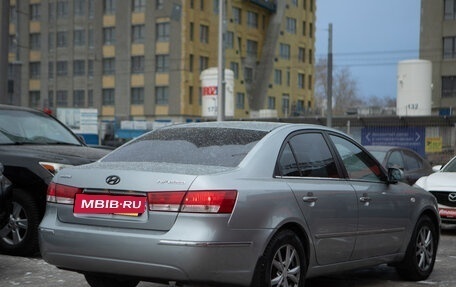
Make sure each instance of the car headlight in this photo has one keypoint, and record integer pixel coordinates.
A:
(52, 167)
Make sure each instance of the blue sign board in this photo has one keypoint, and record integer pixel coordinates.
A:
(410, 137)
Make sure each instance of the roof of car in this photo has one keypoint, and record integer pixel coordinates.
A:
(250, 125)
(17, 108)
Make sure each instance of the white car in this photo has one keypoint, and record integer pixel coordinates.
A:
(442, 184)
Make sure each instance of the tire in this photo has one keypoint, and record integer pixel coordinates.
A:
(284, 250)
(97, 280)
(20, 234)
(419, 259)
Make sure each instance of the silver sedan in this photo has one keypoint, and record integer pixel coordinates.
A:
(239, 203)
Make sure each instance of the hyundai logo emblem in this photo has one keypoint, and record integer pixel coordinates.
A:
(112, 179)
(452, 197)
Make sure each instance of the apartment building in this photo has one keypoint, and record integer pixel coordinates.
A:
(438, 45)
(142, 59)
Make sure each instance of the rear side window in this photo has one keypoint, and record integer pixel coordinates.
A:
(190, 145)
(307, 155)
(413, 162)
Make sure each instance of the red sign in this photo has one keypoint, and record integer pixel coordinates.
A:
(91, 203)
(210, 91)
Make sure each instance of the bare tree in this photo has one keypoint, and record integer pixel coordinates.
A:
(345, 91)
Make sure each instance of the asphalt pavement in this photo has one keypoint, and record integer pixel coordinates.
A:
(22, 271)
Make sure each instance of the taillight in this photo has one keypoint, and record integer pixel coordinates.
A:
(59, 193)
(205, 201)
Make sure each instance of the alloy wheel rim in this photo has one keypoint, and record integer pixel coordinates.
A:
(286, 268)
(424, 249)
(15, 230)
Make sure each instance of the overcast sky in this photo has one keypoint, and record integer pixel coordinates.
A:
(370, 37)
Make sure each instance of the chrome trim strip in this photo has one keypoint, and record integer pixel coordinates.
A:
(204, 244)
(358, 233)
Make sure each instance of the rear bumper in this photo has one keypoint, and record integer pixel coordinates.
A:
(197, 256)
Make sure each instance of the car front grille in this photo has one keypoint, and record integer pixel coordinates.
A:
(442, 198)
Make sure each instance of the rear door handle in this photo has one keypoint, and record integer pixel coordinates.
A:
(309, 199)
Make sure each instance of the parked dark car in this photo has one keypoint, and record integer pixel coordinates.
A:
(33, 147)
(410, 162)
(242, 203)
(6, 203)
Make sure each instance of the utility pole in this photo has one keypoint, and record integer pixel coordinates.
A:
(4, 40)
(221, 64)
(329, 90)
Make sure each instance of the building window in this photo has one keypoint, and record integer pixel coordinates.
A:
(162, 63)
(62, 98)
(190, 95)
(449, 47)
(202, 5)
(137, 96)
(51, 41)
(302, 55)
(35, 12)
(34, 99)
(159, 4)
(448, 86)
(79, 7)
(215, 6)
(309, 82)
(90, 68)
(278, 77)
(204, 34)
(62, 39)
(295, 2)
(240, 100)
(229, 41)
(304, 28)
(288, 77)
(91, 9)
(299, 108)
(109, 36)
(286, 105)
(137, 64)
(203, 63)
(237, 15)
(271, 103)
(51, 12)
(51, 99)
(310, 56)
(79, 37)
(162, 30)
(35, 68)
(190, 62)
(35, 41)
(109, 6)
(91, 38)
(234, 66)
(109, 66)
(291, 25)
(137, 33)
(252, 19)
(248, 75)
(284, 51)
(51, 70)
(311, 30)
(311, 5)
(90, 102)
(191, 31)
(162, 94)
(139, 6)
(78, 67)
(79, 99)
(108, 97)
(62, 9)
(301, 81)
(252, 48)
(62, 68)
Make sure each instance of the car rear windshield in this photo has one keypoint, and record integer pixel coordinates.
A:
(199, 146)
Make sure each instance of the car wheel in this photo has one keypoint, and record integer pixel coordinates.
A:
(20, 234)
(96, 280)
(419, 259)
(283, 264)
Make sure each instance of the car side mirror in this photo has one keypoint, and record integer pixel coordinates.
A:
(395, 174)
(436, 168)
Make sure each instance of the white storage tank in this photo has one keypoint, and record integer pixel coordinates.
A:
(209, 81)
(414, 88)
